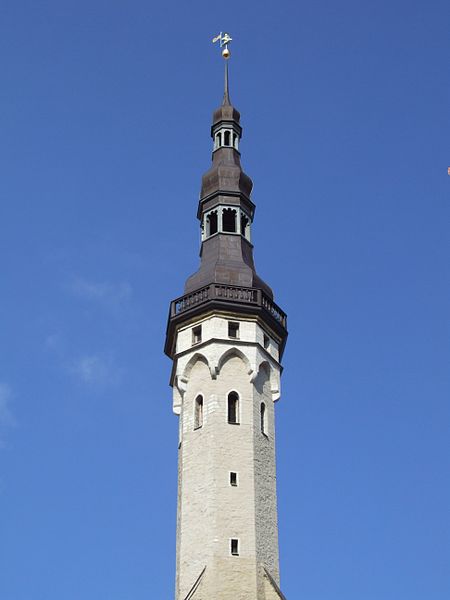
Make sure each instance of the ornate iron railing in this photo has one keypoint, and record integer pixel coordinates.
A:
(228, 293)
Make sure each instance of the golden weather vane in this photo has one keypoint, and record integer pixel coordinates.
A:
(224, 39)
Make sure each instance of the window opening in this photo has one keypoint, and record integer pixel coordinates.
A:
(226, 138)
(263, 418)
(233, 329)
(244, 225)
(233, 408)
(235, 547)
(235, 144)
(212, 223)
(229, 220)
(266, 341)
(233, 479)
(196, 334)
(198, 417)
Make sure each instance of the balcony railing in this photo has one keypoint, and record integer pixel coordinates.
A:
(228, 293)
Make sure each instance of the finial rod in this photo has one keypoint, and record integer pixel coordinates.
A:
(226, 93)
(224, 39)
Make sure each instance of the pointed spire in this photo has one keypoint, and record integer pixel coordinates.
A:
(226, 94)
(226, 111)
(224, 39)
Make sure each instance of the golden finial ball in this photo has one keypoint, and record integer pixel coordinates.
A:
(226, 53)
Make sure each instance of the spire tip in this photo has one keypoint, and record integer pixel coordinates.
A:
(224, 39)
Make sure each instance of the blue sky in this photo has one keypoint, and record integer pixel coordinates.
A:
(105, 110)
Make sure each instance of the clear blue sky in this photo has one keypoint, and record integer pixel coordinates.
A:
(105, 109)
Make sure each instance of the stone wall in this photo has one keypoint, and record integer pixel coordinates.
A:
(211, 511)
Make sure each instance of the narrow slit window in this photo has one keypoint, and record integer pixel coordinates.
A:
(235, 141)
(229, 220)
(233, 330)
(196, 335)
(198, 417)
(266, 341)
(263, 418)
(233, 408)
(226, 138)
(233, 479)
(234, 547)
(212, 223)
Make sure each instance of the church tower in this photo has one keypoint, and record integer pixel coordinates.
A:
(226, 337)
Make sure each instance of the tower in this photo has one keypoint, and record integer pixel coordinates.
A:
(226, 337)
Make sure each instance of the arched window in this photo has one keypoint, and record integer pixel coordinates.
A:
(235, 141)
(229, 220)
(263, 418)
(198, 415)
(226, 138)
(211, 221)
(233, 408)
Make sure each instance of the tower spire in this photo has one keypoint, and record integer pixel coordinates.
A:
(226, 337)
(225, 209)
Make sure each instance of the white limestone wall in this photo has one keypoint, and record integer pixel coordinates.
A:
(265, 479)
(215, 343)
(215, 326)
(210, 510)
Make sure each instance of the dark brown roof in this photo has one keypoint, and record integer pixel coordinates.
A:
(226, 259)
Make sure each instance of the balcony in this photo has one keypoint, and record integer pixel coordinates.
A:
(227, 293)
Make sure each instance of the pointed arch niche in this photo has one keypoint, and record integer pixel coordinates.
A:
(230, 353)
(267, 381)
(192, 362)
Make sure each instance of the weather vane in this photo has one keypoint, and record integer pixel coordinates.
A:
(224, 39)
